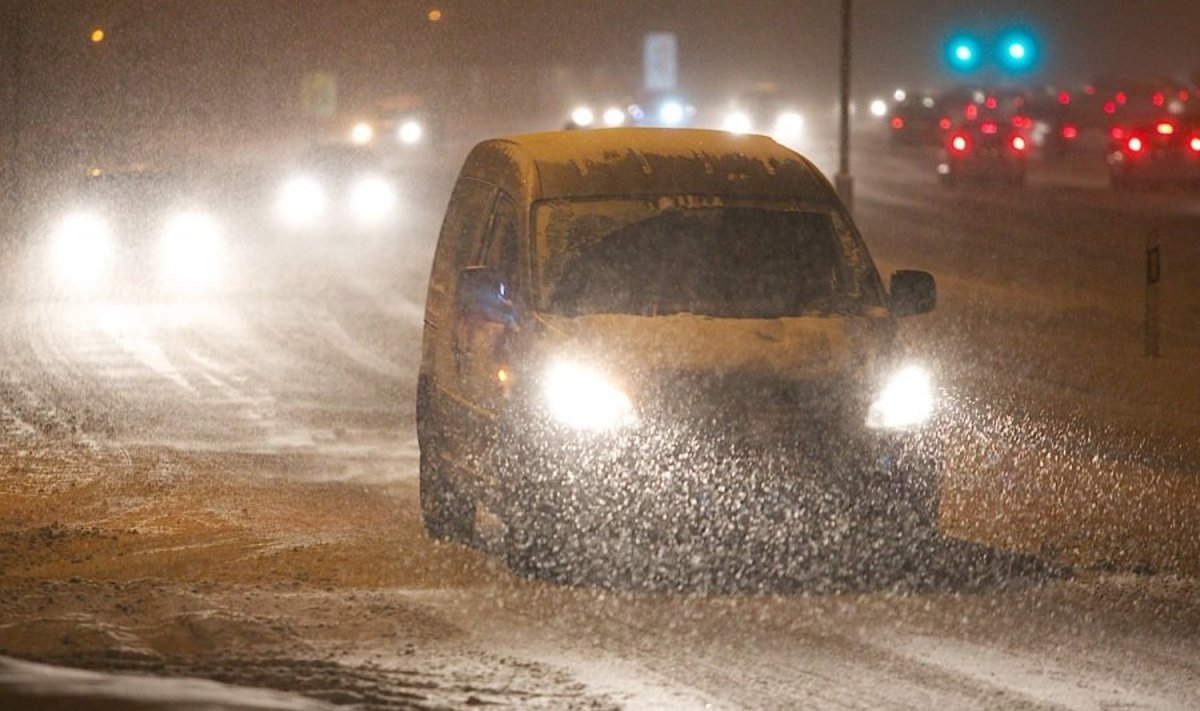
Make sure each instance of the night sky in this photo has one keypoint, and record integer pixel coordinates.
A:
(234, 66)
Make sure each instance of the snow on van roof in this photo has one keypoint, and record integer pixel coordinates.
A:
(648, 161)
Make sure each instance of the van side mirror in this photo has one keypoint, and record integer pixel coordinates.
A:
(913, 292)
(481, 293)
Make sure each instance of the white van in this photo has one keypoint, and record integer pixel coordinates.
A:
(637, 338)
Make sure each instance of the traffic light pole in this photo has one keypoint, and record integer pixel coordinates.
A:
(843, 181)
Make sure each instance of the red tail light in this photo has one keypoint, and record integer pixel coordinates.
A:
(1194, 144)
(959, 143)
(1018, 143)
(1121, 98)
(944, 123)
(1110, 107)
(1069, 132)
(1134, 144)
(988, 127)
(1064, 97)
(990, 102)
(1158, 99)
(971, 112)
(897, 123)
(1164, 128)
(1117, 133)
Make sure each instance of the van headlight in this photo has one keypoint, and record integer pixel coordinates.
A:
(82, 246)
(906, 400)
(582, 398)
(301, 201)
(192, 253)
(372, 201)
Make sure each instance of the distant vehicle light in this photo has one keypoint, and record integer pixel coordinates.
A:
(1018, 144)
(191, 253)
(1194, 144)
(372, 201)
(971, 112)
(82, 245)
(362, 133)
(906, 400)
(301, 202)
(737, 122)
(927, 102)
(879, 108)
(959, 143)
(1064, 98)
(583, 399)
(944, 123)
(1117, 133)
(789, 125)
(613, 117)
(899, 95)
(1110, 107)
(1121, 98)
(1164, 128)
(1134, 144)
(410, 132)
(990, 102)
(897, 123)
(988, 127)
(582, 116)
(1158, 99)
(671, 113)
(1069, 132)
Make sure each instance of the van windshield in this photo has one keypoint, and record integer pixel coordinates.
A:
(727, 261)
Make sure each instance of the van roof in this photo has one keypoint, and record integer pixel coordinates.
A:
(659, 161)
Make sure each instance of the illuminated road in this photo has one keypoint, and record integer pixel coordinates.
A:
(227, 489)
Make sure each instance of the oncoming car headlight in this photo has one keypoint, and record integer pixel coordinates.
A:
(583, 399)
(371, 200)
(301, 201)
(191, 252)
(82, 245)
(789, 126)
(906, 400)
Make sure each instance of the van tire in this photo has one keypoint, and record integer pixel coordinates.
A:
(446, 513)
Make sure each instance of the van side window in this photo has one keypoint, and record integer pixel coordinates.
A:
(470, 206)
(501, 248)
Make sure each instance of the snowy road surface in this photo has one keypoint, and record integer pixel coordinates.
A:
(226, 491)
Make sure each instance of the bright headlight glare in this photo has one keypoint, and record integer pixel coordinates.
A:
(613, 117)
(581, 398)
(371, 200)
(192, 252)
(301, 201)
(905, 401)
(737, 122)
(671, 113)
(82, 246)
(582, 116)
(788, 127)
(410, 133)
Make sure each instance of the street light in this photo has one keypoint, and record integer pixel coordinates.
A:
(97, 36)
(1018, 50)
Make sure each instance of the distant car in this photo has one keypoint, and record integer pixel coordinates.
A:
(134, 233)
(336, 189)
(685, 341)
(766, 111)
(918, 121)
(1157, 152)
(984, 151)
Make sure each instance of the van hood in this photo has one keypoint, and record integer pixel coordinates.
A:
(800, 348)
